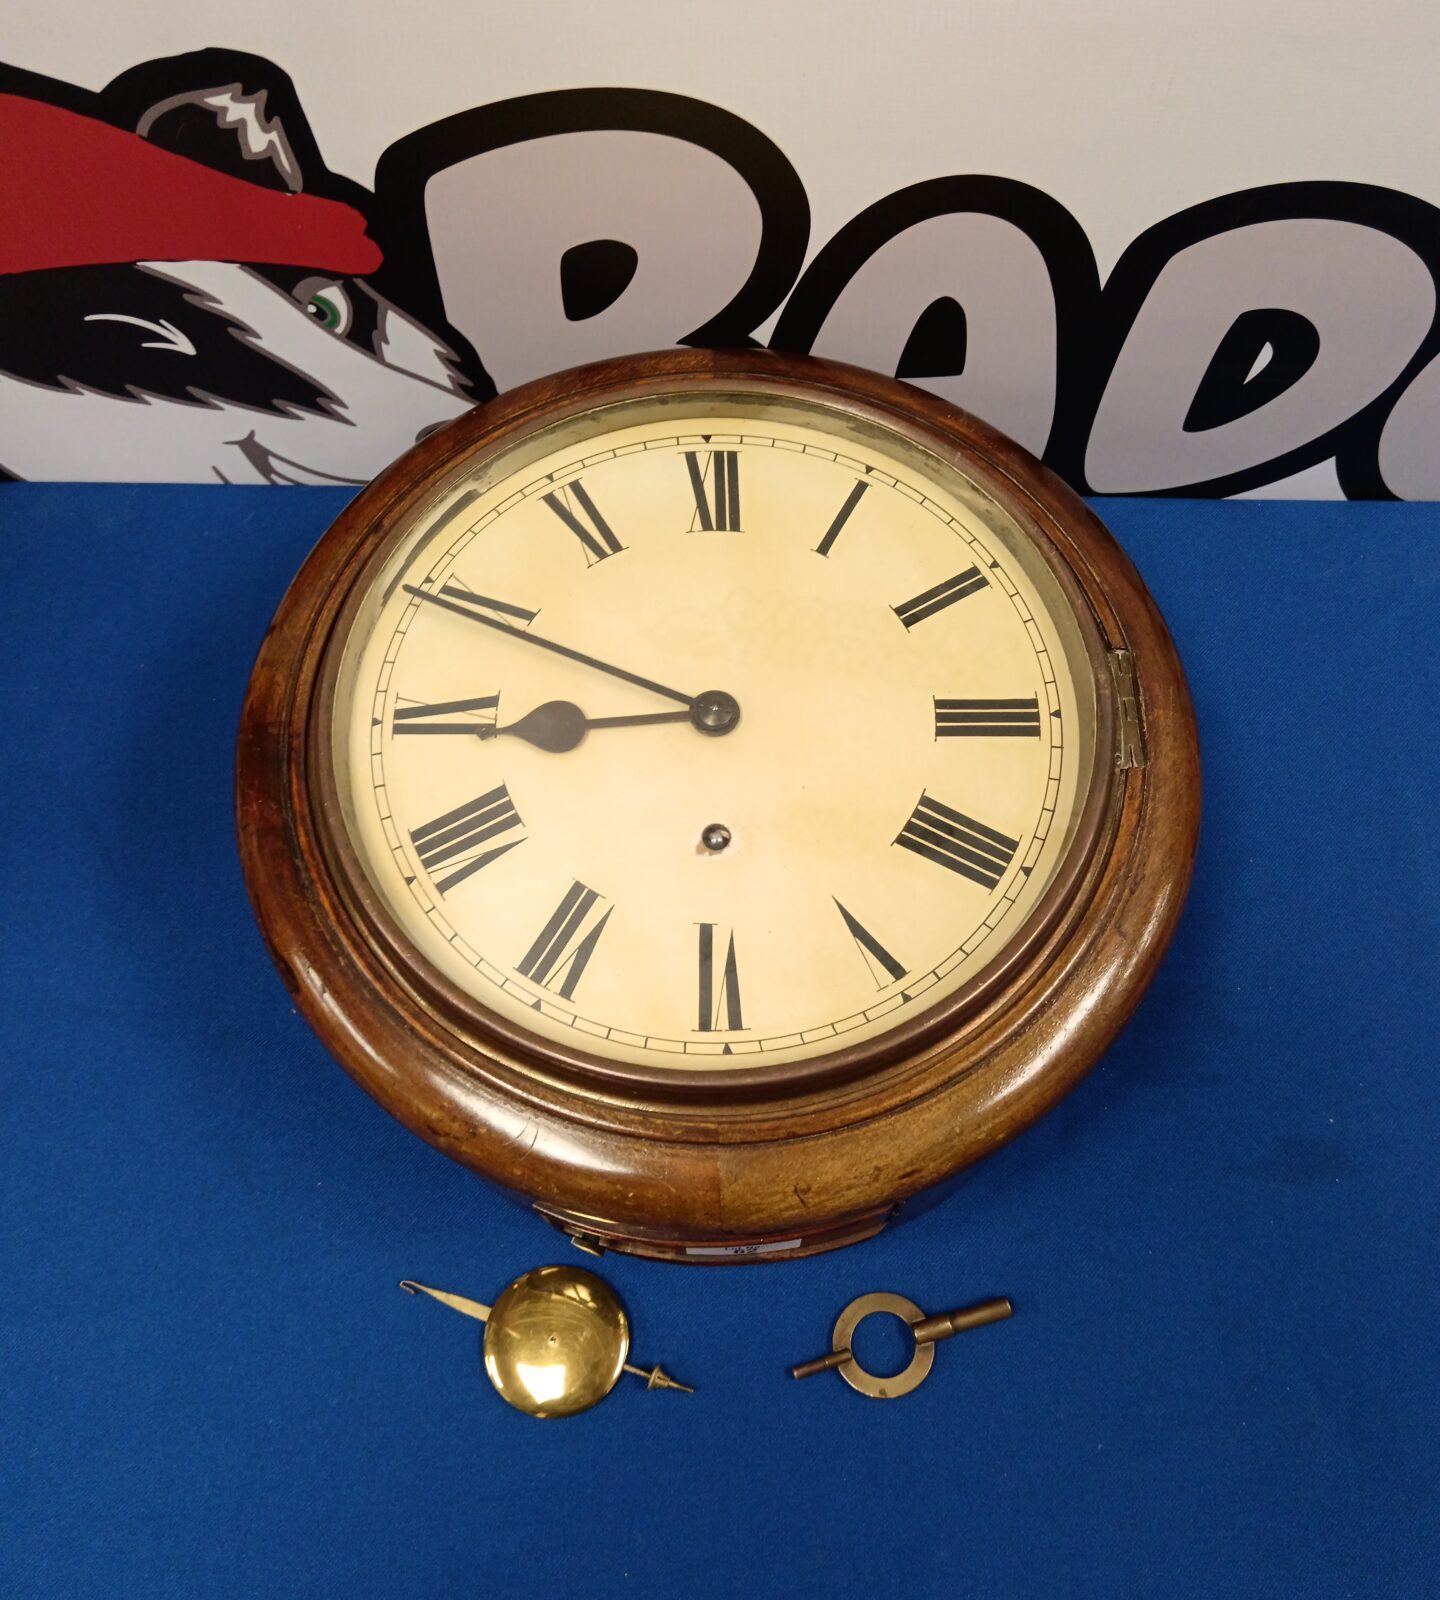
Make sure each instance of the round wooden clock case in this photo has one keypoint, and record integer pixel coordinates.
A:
(698, 1135)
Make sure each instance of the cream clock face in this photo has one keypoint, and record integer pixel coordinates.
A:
(712, 734)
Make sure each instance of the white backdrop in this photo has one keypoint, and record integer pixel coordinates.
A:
(1122, 113)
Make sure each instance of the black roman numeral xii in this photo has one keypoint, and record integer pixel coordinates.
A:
(716, 487)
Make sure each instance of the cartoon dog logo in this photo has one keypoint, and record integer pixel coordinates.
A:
(191, 295)
(188, 292)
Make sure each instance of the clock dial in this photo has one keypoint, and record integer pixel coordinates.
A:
(713, 733)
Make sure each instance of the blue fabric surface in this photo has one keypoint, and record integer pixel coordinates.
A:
(1222, 1374)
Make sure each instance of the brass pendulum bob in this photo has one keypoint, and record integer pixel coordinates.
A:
(555, 1340)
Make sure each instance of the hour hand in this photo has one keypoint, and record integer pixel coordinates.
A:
(559, 725)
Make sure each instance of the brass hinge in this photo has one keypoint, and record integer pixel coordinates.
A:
(1129, 728)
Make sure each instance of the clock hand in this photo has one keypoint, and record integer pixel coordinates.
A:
(558, 725)
(448, 599)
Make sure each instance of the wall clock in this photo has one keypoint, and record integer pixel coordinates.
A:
(717, 796)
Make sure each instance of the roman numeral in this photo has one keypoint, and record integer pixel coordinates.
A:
(457, 591)
(971, 581)
(460, 840)
(716, 487)
(842, 516)
(574, 507)
(874, 954)
(944, 835)
(416, 718)
(558, 958)
(724, 995)
(987, 719)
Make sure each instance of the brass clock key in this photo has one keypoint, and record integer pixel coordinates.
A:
(555, 1340)
(928, 1332)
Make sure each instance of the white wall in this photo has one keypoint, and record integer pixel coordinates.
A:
(1122, 111)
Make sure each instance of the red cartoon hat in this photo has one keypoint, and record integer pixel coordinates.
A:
(76, 192)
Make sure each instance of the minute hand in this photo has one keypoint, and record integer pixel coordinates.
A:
(457, 595)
